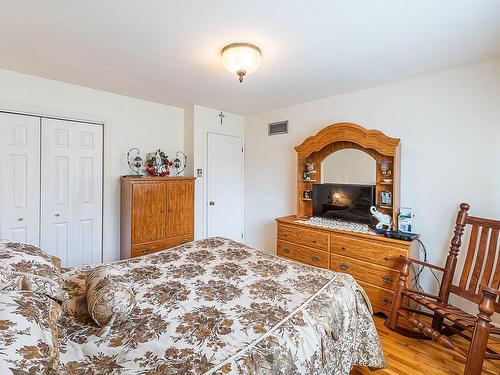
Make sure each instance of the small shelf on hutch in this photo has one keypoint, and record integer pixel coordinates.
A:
(306, 199)
(385, 183)
(309, 180)
(384, 206)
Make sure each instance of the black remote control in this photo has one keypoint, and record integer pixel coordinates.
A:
(401, 235)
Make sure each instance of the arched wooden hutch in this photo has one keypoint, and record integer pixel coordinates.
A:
(373, 260)
(385, 150)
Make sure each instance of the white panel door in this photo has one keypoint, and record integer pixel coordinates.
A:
(71, 191)
(225, 187)
(20, 178)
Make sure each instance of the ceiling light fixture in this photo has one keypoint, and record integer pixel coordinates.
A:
(241, 58)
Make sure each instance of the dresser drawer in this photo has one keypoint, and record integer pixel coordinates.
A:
(369, 251)
(306, 237)
(152, 247)
(380, 298)
(363, 271)
(303, 254)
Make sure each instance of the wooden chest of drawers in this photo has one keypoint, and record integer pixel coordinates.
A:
(157, 213)
(374, 261)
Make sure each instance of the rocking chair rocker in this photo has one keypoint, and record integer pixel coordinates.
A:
(479, 283)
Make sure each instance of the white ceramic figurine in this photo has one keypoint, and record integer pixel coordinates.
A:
(383, 219)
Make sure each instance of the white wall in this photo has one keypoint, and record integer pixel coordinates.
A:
(449, 126)
(128, 123)
(199, 122)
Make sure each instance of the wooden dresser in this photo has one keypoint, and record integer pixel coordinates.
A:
(156, 213)
(373, 260)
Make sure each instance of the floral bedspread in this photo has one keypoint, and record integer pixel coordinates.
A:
(219, 307)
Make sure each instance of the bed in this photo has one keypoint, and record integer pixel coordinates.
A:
(219, 307)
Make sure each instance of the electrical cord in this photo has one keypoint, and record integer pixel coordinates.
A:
(416, 278)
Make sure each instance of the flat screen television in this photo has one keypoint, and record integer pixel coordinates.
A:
(347, 202)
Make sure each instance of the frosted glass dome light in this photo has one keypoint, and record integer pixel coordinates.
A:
(241, 58)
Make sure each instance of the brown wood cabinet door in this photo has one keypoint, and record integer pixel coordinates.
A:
(148, 211)
(180, 216)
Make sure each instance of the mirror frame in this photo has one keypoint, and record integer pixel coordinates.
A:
(385, 150)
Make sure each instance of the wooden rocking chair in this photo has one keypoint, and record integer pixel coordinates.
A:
(479, 283)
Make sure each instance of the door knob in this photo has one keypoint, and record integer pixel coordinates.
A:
(343, 266)
(211, 203)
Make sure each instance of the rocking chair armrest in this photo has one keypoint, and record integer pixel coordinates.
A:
(487, 304)
(491, 290)
(425, 264)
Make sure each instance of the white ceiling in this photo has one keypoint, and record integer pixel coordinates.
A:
(168, 51)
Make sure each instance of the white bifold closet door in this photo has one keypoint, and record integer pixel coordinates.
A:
(20, 178)
(71, 191)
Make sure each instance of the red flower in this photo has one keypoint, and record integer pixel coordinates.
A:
(150, 165)
(171, 164)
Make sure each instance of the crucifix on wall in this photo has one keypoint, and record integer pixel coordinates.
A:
(221, 115)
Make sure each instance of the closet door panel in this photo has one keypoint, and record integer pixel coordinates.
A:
(57, 187)
(72, 191)
(20, 176)
(88, 194)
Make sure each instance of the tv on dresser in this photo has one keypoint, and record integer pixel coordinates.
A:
(347, 202)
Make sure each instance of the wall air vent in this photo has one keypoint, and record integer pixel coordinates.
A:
(276, 128)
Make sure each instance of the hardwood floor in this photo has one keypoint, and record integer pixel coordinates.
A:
(406, 356)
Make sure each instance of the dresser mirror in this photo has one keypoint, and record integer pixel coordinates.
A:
(348, 166)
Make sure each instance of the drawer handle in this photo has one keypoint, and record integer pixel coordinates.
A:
(315, 258)
(20, 219)
(146, 251)
(286, 250)
(386, 258)
(343, 248)
(184, 241)
(343, 266)
(314, 241)
(386, 301)
(387, 279)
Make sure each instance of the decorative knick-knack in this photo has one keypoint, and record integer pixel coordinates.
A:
(158, 164)
(136, 163)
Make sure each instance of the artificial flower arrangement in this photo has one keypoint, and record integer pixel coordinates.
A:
(158, 164)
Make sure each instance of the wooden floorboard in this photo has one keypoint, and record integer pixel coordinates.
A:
(406, 356)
